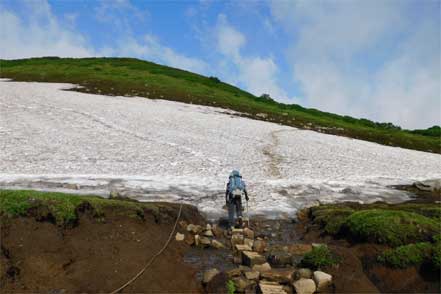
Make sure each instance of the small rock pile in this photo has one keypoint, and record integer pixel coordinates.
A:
(254, 273)
(201, 236)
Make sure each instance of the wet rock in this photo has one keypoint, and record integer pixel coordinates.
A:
(304, 286)
(259, 246)
(216, 244)
(235, 272)
(249, 242)
(303, 273)
(322, 280)
(283, 276)
(248, 233)
(262, 267)
(251, 258)
(209, 275)
(179, 237)
(266, 287)
(252, 275)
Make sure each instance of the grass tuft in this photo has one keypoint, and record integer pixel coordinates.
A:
(319, 257)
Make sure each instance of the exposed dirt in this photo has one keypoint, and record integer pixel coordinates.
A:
(95, 256)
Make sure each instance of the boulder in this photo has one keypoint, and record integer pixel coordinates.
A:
(280, 258)
(259, 246)
(252, 275)
(179, 237)
(303, 273)
(251, 258)
(282, 276)
(304, 286)
(261, 267)
(216, 244)
(248, 242)
(248, 233)
(209, 275)
(266, 287)
(195, 229)
(322, 280)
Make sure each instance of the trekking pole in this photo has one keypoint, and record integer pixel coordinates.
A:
(248, 216)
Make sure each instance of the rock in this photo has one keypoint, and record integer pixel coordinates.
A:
(303, 273)
(304, 286)
(242, 284)
(261, 267)
(209, 275)
(235, 272)
(429, 185)
(280, 258)
(237, 231)
(217, 231)
(179, 237)
(197, 240)
(249, 242)
(183, 224)
(262, 115)
(189, 239)
(242, 247)
(259, 246)
(282, 276)
(73, 186)
(237, 259)
(216, 244)
(244, 268)
(193, 228)
(251, 258)
(252, 275)
(208, 233)
(248, 233)
(266, 287)
(236, 239)
(208, 227)
(204, 241)
(322, 280)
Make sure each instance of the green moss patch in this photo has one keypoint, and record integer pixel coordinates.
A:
(390, 227)
(407, 255)
(331, 219)
(319, 257)
(64, 207)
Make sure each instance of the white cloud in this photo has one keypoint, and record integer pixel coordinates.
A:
(40, 35)
(334, 56)
(257, 74)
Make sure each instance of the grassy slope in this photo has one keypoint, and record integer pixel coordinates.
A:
(132, 77)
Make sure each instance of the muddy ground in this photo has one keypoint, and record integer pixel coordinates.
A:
(98, 255)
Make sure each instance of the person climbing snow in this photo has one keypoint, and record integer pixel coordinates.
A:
(233, 197)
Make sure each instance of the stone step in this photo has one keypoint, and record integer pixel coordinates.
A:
(271, 288)
(251, 258)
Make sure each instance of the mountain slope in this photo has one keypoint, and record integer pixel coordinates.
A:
(132, 77)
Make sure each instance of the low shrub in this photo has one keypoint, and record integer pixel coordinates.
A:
(319, 257)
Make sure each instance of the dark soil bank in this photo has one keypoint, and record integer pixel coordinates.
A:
(96, 255)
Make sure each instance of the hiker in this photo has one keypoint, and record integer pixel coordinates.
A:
(233, 196)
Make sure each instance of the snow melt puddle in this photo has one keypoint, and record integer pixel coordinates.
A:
(271, 199)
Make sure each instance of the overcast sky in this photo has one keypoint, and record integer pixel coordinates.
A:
(374, 59)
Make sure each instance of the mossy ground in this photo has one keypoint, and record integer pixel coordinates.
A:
(319, 257)
(63, 207)
(412, 230)
(132, 77)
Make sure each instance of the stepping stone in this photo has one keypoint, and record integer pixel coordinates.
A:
(236, 239)
(262, 267)
(271, 288)
(242, 247)
(179, 236)
(252, 275)
(282, 276)
(237, 231)
(249, 242)
(322, 280)
(248, 233)
(251, 258)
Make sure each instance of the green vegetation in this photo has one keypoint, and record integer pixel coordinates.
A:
(408, 255)
(63, 208)
(434, 131)
(132, 77)
(390, 227)
(331, 218)
(230, 287)
(319, 257)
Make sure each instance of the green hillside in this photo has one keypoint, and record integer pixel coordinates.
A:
(133, 77)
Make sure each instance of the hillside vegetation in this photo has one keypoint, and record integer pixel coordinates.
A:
(133, 77)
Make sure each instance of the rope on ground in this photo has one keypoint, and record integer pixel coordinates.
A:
(153, 257)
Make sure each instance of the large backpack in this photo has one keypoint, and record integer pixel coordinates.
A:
(236, 186)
